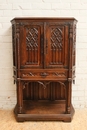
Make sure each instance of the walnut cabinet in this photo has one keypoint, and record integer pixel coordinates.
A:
(44, 67)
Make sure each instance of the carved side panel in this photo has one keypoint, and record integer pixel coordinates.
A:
(18, 48)
(13, 42)
(74, 43)
(32, 45)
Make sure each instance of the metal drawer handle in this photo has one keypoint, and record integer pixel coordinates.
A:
(44, 74)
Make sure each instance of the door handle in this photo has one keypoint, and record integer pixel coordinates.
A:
(41, 45)
(46, 46)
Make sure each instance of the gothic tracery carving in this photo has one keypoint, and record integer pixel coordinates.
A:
(59, 74)
(32, 45)
(32, 38)
(56, 38)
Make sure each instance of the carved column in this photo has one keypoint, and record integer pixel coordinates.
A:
(68, 97)
(69, 82)
(19, 83)
(19, 97)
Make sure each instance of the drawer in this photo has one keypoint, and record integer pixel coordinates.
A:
(45, 74)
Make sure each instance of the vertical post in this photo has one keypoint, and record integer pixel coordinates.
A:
(19, 97)
(45, 45)
(19, 82)
(68, 96)
(69, 81)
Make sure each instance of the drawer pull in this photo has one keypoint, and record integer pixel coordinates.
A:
(44, 74)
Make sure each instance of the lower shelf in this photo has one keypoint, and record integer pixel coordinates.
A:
(44, 110)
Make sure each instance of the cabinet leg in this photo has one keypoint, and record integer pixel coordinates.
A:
(19, 97)
(68, 97)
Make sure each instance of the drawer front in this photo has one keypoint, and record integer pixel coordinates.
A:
(44, 74)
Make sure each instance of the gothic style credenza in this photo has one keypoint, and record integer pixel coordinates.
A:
(44, 67)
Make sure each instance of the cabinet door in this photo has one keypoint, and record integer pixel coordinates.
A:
(57, 35)
(31, 45)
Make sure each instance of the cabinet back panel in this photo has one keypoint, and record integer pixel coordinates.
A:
(36, 91)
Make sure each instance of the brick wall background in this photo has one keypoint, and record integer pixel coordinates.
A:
(39, 8)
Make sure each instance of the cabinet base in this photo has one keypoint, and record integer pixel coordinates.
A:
(44, 111)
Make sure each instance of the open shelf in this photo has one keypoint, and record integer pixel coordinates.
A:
(44, 110)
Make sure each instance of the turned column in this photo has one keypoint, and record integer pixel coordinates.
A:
(68, 96)
(19, 97)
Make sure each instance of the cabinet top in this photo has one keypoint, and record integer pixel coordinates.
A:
(43, 19)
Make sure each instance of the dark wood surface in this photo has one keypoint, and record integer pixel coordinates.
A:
(44, 67)
(44, 111)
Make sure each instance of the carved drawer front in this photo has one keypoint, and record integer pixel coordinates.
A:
(44, 74)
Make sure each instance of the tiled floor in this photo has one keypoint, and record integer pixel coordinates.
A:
(8, 122)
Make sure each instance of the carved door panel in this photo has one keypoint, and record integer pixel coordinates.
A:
(31, 45)
(56, 45)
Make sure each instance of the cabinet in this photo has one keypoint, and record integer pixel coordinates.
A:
(44, 67)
